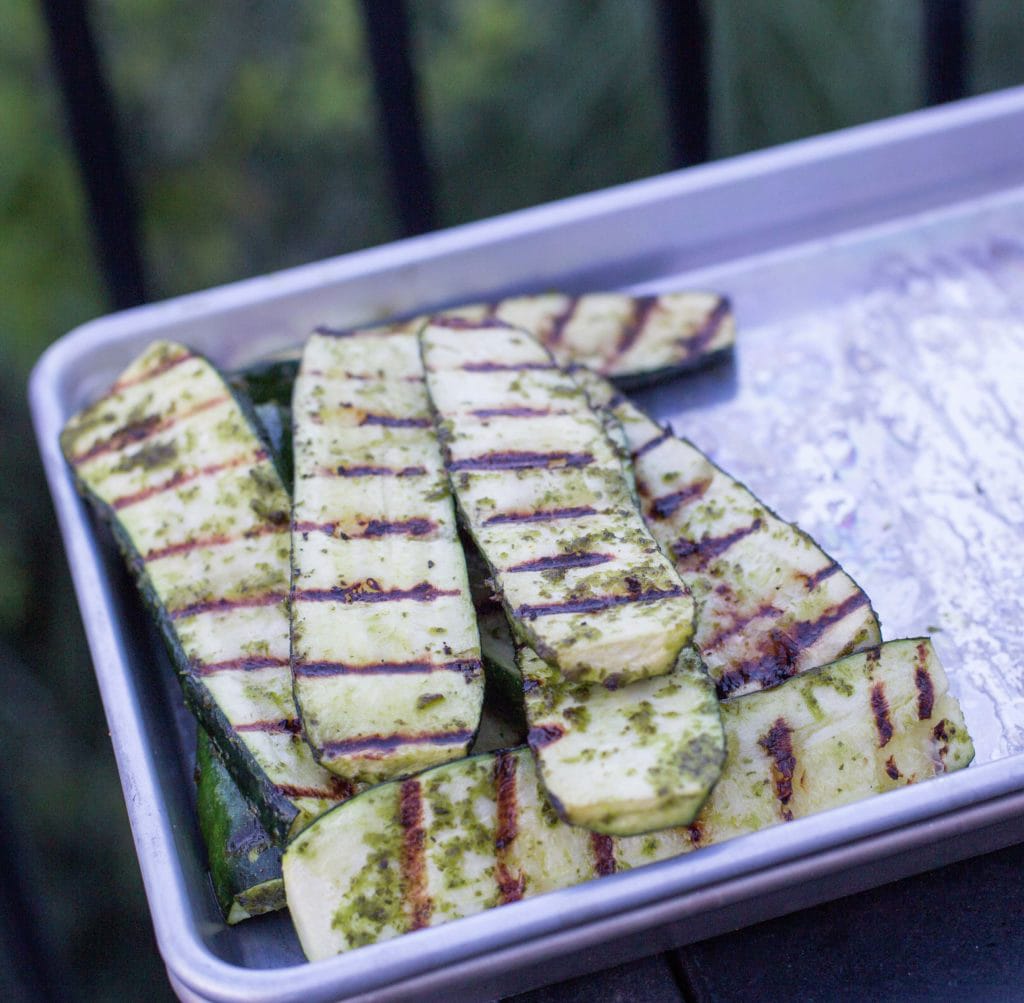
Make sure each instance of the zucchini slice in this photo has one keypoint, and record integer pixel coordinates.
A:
(632, 339)
(542, 491)
(177, 465)
(658, 744)
(771, 602)
(245, 864)
(478, 833)
(385, 650)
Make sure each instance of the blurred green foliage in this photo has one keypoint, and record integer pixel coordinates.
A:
(251, 135)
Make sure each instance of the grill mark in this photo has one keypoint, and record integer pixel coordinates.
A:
(521, 459)
(667, 505)
(376, 745)
(469, 667)
(245, 664)
(650, 444)
(924, 684)
(226, 605)
(514, 412)
(814, 580)
(390, 421)
(339, 790)
(604, 853)
(643, 307)
(286, 725)
(781, 649)
(507, 367)
(544, 735)
(880, 708)
(596, 603)
(219, 540)
(143, 429)
(892, 769)
(739, 623)
(556, 561)
(695, 832)
(186, 478)
(149, 374)
(371, 471)
(374, 528)
(334, 374)
(541, 515)
(510, 887)
(559, 322)
(413, 862)
(365, 592)
(698, 555)
(457, 323)
(778, 744)
(702, 336)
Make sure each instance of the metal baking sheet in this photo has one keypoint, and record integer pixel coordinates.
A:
(876, 396)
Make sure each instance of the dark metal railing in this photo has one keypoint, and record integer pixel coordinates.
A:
(684, 65)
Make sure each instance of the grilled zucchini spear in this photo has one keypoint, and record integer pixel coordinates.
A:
(543, 494)
(175, 463)
(478, 833)
(385, 650)
(632, 339)
(772, 602)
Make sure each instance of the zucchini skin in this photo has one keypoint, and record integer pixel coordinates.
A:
(542, 492)
(385, 651)
(478, 833)
(245, 864)
(771, 602)
(144, 455)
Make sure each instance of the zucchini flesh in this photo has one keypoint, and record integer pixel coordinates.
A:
(625, 761)
(385, 650)
(633, 339)
(543, 494)
(245, 864)
(478, 833)
(175, 463)
(771, 602)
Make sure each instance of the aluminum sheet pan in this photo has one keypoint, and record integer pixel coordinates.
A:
(876, 396)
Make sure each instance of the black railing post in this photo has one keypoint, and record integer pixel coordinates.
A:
(93, 128)
(388, 42)
(946, 37)
(683, 36)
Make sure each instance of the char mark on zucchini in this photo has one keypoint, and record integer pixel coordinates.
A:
(510, 885)
(513, 412)
(391, 421)
(539, 738)
(371, 528)
(511, 367)
(181, 477)
(924, 684)
(603, 849)
(778, 746)
(650, 444)
(217, 540)
(594, 604)
(414, 864)
(697, 343)
(666, 506)
(367, 592)
(371, 471)
(469, 667)
(631, 331)
(141, 429)
(522, 459)
(152, 373)
(247, 663)
(388, 743)
(281, 726)
(226, 605)
(812, 581)
(561, 561)
(880, 710)
(541, 515)
(698, 554)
